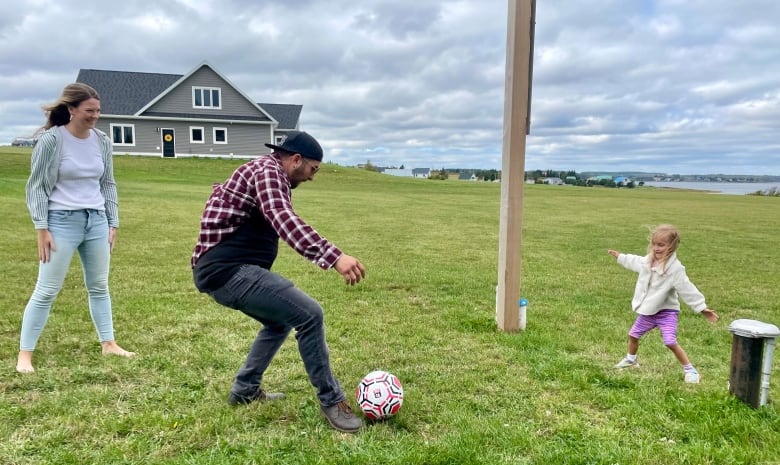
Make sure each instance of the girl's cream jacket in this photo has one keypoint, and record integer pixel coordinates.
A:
(658, 289)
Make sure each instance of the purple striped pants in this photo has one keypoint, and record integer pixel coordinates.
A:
(665, 320)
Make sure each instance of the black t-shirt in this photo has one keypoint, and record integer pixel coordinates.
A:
(254, 243)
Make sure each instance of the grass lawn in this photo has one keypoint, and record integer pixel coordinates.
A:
(474, 394)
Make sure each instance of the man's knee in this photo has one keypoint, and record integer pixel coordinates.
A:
(316, 315)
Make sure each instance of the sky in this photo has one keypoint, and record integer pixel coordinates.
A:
(667, 86)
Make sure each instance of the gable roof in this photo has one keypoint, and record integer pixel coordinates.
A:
(123, 92)
(128, 93)
(287, 115)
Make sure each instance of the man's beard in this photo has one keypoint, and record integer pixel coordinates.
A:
(297, 174)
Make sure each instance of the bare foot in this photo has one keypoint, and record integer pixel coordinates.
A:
(112, 348)
(24, 362)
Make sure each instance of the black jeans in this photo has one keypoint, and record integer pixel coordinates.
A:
(276, 303)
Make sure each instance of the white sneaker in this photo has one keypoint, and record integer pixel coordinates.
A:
(625, 363)
(692, 377)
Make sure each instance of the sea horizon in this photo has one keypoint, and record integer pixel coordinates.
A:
(729, 188)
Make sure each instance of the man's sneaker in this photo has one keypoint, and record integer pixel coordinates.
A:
(235, 399)
(625, 363)
(341, 417)
(692, 377)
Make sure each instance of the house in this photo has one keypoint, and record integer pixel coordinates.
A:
(24, 141)
(600, 179)
(398, 172)
(200, 113)
(421, 172)
(467, 176)
(553, 180)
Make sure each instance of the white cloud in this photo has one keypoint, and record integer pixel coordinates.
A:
(665, 85)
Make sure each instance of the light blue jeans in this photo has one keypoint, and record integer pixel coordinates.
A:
(72, 230)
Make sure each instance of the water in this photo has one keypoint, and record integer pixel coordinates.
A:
(732, 188)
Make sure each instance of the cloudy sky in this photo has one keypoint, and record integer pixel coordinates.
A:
(674, 86)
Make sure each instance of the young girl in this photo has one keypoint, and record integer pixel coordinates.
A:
(661, 280)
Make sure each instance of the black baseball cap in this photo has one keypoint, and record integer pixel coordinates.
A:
(300, 142)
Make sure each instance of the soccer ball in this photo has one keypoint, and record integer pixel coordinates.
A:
(379, 395)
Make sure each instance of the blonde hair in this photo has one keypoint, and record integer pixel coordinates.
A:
(57, 114)
(671, 236)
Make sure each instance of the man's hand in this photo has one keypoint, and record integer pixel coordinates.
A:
(351, 269)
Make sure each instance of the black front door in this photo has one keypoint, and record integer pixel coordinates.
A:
(169, 143)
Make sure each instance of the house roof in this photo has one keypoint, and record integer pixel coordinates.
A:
(287, 115)
(128, 93)
(123, 92)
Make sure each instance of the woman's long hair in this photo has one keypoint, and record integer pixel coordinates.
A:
(58, 114)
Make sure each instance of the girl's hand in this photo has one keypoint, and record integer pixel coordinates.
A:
(111, 238)
(45, 245)
(711, 316)
(614, 253)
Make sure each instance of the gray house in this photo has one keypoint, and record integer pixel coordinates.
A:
(421, 172)
(200, 113)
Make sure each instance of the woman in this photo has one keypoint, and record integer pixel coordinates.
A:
(72, 200)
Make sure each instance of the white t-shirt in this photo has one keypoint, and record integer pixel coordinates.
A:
(78, 181)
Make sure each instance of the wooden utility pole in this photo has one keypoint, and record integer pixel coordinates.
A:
(517, 99)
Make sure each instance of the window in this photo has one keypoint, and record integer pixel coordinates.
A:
(196, 135)
(220, 136)
(123, 134)
(207, 97)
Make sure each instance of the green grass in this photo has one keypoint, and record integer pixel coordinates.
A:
(474, 394)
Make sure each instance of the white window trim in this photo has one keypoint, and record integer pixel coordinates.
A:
(202, 135)
(214, 136)
(209, 89)
(123, 126)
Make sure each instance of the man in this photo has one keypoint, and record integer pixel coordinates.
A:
(239, 237)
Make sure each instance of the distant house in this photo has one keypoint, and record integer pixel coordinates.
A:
(598, 179)
(200, 113)
(398, 172)
(467, 176)
(23, 142)
(553, 180)
(421, 172)
(621, 180)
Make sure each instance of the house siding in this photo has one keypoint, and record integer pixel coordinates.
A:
(244, 139)
(179, 101)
